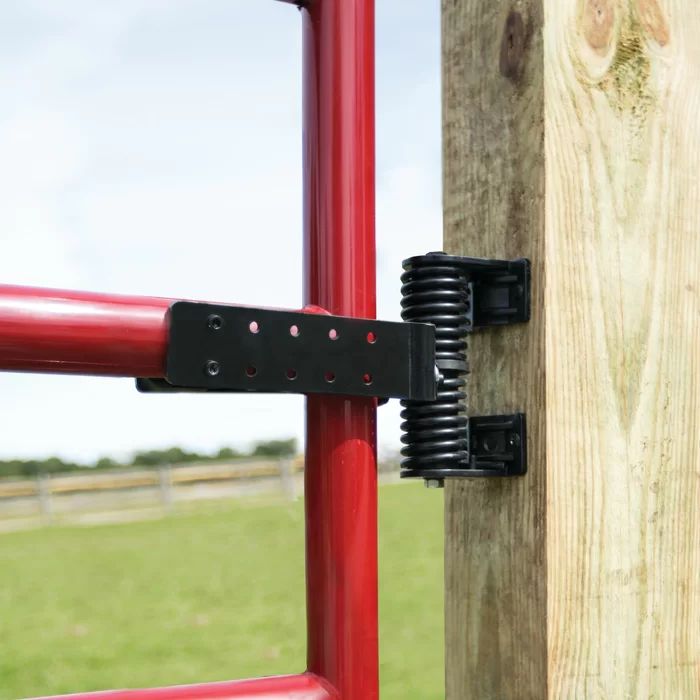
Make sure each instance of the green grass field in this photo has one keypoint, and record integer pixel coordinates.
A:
(211, 594)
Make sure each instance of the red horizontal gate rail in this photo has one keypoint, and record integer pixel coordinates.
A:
(61, 331)
(101, 334)
(305, 686)
(51, 330)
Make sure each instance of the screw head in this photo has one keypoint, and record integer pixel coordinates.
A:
(212, 368)
(215, 322)
(514, 440)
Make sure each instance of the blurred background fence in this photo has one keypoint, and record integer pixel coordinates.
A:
(90, 497)
(136, 493)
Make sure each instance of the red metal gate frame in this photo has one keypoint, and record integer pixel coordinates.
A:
(82, 333)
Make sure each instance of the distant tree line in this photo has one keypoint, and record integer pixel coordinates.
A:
(150, 458)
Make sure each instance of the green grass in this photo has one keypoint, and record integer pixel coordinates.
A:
(213, 594)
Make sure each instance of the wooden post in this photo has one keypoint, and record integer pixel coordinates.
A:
(287, 478)
(572, 136)
(165, 487)
(43, 493)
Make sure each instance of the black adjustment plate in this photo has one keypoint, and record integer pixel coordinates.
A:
(234, 348)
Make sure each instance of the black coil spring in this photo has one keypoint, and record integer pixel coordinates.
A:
(435, 432)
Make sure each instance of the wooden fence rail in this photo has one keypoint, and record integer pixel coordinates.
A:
(76, 494)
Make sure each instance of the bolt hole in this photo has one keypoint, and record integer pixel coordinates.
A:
(291, 374)
(294, 331)
(490, 444)
(371, 337)
(215, 322)
(253, 327)
(333, 334)
(329, 377)
(213, 368)
(367, 378)
(251, 371)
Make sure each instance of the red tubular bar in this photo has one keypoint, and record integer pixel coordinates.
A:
(339, 275)
(47, 330)
(67, 332)
(304, 686)
(56, 331)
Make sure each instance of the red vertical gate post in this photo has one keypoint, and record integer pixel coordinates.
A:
(339, 275)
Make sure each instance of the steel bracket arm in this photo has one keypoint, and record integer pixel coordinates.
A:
(244, 349)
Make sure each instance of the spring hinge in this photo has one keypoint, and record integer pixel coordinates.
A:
(458, 295)
(423, 361)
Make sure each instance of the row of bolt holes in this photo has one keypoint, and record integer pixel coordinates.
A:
(213, 367)
(292, 375)
(294, 331)
(216, 322)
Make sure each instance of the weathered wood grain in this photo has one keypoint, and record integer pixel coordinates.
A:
(582, 580)
(493, 111)
(622, 86)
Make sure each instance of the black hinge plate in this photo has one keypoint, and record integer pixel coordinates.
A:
(234, 348)
(498, 445)
(500, 295)
(499, 291)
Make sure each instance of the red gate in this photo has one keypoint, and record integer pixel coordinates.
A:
(96, 334)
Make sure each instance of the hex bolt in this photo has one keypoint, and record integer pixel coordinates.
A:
(212, 368)
(434, 483)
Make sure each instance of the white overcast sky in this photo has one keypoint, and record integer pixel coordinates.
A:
(154, 147)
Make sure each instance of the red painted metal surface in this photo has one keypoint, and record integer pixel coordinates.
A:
(67, 332)
(46, 330)
(49, 330)
(339, 275)
(305, 686)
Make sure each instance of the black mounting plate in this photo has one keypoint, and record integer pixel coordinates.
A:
(497, 447)
(242, 349)
(500, 293)
(499, 290)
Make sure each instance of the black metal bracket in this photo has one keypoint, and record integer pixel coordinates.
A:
(242, 349)
(423, 361)
(497, 447)
(498, 291)
(459, 295)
